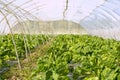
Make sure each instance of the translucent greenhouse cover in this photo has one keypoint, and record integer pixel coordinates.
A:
(105, 20)
(98, 17)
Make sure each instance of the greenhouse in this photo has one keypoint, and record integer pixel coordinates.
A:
(59, 39)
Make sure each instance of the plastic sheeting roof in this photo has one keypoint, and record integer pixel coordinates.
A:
(98, 17)
(105, 20)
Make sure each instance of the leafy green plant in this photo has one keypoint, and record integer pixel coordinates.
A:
(24, 43)
(84, 57)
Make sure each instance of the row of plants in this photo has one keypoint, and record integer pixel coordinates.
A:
(24, 44)
(79, 57)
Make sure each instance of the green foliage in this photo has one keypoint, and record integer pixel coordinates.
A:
(84, 57)
(24, 44)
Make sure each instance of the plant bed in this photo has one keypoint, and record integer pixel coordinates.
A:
(75, 57)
